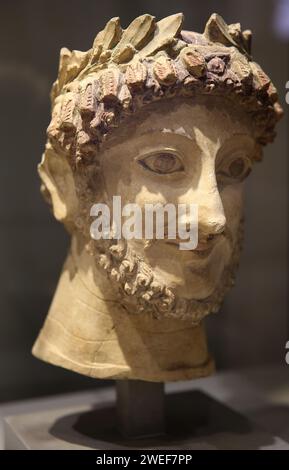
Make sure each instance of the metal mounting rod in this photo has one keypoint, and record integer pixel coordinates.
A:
(140, 408)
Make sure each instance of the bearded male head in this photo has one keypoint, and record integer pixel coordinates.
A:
(155, 115)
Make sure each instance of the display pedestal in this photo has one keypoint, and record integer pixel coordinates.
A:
(199, 415)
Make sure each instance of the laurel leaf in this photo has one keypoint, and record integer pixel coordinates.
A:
(112, 34)
(135, 36)
(107, 38)
(65, 55)
(70, 64)
(247, 40)
(217, 30)
(166, 30)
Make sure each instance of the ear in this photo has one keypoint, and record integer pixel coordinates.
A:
(57, 177)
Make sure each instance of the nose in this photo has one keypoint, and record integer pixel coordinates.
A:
(211, 215)
(209, 232)
(212, 219)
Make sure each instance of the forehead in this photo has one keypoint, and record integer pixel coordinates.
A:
(212, 118)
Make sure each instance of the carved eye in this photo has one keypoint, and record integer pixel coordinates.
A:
(162, 163)
(237, 169)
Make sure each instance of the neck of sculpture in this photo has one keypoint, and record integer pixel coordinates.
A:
(89, 331)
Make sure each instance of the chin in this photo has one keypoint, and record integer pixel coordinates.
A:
(200, 280)
(198, 287)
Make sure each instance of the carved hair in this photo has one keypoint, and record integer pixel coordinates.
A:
(125, 69)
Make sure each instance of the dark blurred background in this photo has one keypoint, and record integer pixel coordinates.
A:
(252, 326)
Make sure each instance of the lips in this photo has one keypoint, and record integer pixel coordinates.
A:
(204, 246)
(202, 250)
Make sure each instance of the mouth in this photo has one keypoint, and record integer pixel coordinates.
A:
(202, 250)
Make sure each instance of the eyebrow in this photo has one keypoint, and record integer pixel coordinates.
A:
(180, 131)
(248, 138)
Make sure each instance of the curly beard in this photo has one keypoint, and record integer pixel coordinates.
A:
(140, 292)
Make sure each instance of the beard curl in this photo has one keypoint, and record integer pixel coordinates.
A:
(140, 292)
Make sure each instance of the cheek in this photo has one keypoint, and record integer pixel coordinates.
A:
(117, 175)
(121, 179)
(232, 199)
(143, 196)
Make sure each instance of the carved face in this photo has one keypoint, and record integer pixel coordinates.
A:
(178, 151)
(183, 153)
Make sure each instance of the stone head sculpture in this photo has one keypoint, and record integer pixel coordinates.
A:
(155, 115)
